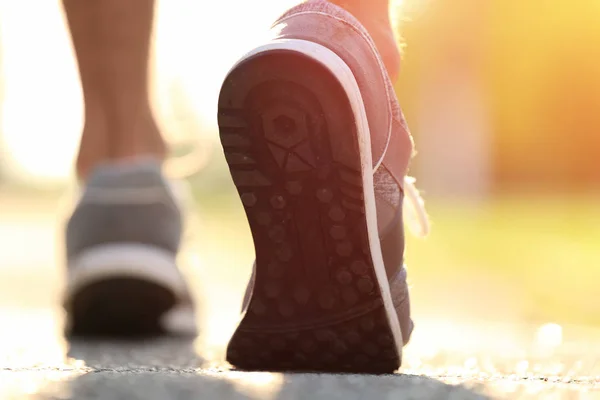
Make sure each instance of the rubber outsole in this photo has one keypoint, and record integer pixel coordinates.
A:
(291, 140)
(119, 307)
(121, 290)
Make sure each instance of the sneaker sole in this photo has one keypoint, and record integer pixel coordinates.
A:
(295, 136)
(121, 290)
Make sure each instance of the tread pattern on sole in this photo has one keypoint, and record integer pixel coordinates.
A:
(316, 304)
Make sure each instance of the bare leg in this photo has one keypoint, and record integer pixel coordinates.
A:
(112, 41)
(374, 15)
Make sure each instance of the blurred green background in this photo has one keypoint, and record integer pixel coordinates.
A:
(513, 91)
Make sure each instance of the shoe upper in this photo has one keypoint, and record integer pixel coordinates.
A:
(125, 203)
(331, 26)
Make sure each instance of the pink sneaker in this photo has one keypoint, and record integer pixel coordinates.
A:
(319, 150)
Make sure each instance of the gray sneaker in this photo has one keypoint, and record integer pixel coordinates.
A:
(318, 149)
(122, 241)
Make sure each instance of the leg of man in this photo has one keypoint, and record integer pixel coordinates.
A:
(318, 149)
(112, 43)
(124, 234)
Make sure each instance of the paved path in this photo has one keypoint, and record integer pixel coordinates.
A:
(447, 359)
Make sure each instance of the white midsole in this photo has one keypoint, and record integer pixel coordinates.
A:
(124, 260)
(342, 72)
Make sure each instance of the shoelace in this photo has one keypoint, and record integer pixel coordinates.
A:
(414, 211)
(181, 167)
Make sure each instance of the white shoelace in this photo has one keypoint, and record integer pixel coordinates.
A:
(415, 215)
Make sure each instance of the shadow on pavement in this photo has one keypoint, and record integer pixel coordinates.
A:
(152, 355)
(166, 369)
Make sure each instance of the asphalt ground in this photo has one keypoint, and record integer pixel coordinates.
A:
(449, 357)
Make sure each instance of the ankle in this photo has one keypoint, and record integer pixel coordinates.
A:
(140, 137)
(118, 141)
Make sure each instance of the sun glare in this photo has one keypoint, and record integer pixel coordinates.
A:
(41, 118)
(41, 108)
